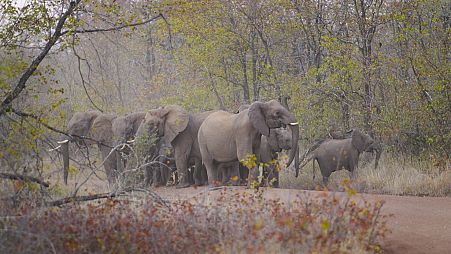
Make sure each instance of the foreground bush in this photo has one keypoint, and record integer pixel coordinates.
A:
(229, 222)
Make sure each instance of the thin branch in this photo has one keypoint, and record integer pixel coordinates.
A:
(83, 79)
(82, 198)
(11, 96)
(23, 178)
(116, 28)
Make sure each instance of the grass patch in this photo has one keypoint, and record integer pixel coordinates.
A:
(394, 175)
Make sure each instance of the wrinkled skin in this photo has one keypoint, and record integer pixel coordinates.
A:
(376, 148)
(124, 131)
(97, 127)
(179, 128)
(78, 126)
(335, 154)
(159, 174)
(279, 139)
(225, 137)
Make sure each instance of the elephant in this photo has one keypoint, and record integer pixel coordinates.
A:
(226, 137)
(179, 128)
(124, 131)
(229, 172)
(376, 148)
(279, 139)
(335, 154)
(158, 175)
(88, 128)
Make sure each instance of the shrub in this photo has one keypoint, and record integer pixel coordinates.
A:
(226, 222)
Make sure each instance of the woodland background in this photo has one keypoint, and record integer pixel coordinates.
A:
(380, 65)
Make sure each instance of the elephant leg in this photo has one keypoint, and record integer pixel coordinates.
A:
(109, 163)
(204, 177)
(244, 174)
(198, 174)
(273, 177)
(222, 174)
(212, 172)
(325, 181)
(191, 172)
(156, 177)
(181, 154)
(164, 172)
(245, 149)
(148, 176)
(235, 174)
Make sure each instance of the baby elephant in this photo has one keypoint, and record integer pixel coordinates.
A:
(279, 139)
(335, 154)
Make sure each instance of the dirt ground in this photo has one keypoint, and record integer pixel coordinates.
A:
(418, 224)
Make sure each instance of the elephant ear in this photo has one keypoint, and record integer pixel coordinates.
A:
(358, 140)
(176, 121)
(257, 118)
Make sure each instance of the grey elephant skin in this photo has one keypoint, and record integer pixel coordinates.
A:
(159, 173)
(124, 132)
(279, 139)
(88, 128)
(226, 137)
(179, 128)
(335, 154)
(376, 148)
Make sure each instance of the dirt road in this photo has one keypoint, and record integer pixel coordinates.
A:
(418, 224)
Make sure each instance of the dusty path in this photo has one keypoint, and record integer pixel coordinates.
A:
(418, 224)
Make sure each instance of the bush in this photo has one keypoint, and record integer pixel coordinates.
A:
(230, 222)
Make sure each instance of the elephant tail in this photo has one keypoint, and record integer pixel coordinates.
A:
(314, 169)
(307, 156)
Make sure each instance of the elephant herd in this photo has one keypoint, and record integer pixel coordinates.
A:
(207, 147)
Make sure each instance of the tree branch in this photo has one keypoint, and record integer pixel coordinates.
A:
(11, 96)
(82, 198)
(116, 28)
(23, 178)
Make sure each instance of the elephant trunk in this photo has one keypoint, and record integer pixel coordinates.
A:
(65, 152)
(294, 152)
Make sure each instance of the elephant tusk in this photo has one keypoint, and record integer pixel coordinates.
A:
(131, 141)
(294, 124)
(56, 148)
(63, 142)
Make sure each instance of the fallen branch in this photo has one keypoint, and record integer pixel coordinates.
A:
(82, 198)
(113, 194)
(23, 178)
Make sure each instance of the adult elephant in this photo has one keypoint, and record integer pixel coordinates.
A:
(88, 128)
(179, 128)
(335, 154)
(226, 137)
(124, 132)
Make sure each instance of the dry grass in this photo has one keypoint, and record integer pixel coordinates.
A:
(394, 175)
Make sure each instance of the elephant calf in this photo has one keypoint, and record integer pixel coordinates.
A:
(158, 175)
(279, 139)
(335, 154)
